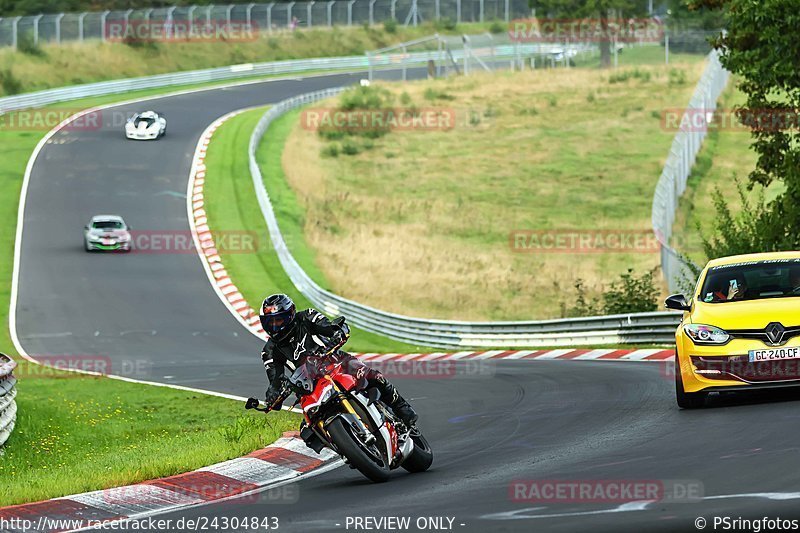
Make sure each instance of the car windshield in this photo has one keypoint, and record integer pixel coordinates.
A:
(753, 280)
(148, 121)
(108, 224)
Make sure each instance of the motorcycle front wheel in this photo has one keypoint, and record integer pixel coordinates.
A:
(421, 458)
(366, 460)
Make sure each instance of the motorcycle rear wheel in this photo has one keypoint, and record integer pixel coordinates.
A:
(421, 458)
(348, 445)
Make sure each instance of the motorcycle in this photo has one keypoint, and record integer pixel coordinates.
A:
(353, 423)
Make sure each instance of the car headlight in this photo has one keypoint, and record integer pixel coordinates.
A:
(704, 334)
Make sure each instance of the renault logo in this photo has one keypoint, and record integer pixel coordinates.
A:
(775, 331)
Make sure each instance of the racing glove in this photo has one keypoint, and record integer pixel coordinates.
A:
(272, 395)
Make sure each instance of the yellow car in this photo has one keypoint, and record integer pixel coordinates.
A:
(741, 327)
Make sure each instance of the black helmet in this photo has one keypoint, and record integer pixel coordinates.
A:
(277, 314)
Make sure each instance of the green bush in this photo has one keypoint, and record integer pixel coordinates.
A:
(369, 97)
(445, 23)
(26, 45)
(628, 294)
(350, 148)
(497, 27)
(631, 294)
(10, 83)
(625, 75)
(677, 77)
(433, 94)
(332, 150)
(744, 233)
(390, 26)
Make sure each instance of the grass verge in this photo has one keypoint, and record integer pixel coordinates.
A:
(78, 433)
(232, 206)
(552, 152)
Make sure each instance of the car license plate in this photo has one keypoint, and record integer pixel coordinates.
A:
(109, 242)
(774, 354)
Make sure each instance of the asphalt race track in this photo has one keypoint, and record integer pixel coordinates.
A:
(155, 317)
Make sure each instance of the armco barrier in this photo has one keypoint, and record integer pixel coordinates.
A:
(8, 391)
(505, 52)
(641, 328)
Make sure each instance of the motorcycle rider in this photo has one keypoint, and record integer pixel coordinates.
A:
(294, 336)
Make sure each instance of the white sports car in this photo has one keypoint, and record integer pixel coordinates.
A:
(107, 233)
(146, 126)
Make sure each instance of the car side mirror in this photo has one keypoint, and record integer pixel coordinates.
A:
(677, 302)
(86, 227)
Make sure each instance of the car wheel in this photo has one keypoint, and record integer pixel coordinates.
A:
(686, 400)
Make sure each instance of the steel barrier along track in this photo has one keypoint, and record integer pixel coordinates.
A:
(506, 53)
(640, 328)
(8, 392)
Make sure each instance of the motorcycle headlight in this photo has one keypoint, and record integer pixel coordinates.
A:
(704, 334)
(326, 396)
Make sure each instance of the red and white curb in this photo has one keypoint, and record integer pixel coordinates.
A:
(655, 354)
(286, 460)
(204, 239)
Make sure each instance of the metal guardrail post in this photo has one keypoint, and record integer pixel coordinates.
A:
(269, 15)
(309, 6)
(249, 14)
(393, 9)
(228, 15)
(57, 24)
(372, 12)
(481, 8)
(36, 20)
(8, 391)
(350, 12)
(330, 12)
(458, 11)
(190, 18)
(103, 17)
(15, 31)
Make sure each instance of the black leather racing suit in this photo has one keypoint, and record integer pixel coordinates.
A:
(311, 332)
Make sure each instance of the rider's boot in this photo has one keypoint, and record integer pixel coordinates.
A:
(398, 404)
